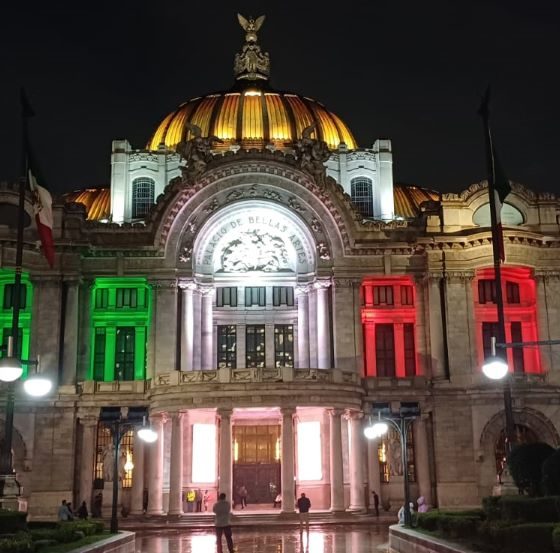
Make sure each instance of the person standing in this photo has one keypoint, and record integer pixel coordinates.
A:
(375, 502)
(205, 500)
(303, 505)
(198, 497)
(222, 510)
(63, 512)
(243, 496)
(82, 511)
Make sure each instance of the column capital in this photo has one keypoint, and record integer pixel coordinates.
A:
(322, 284)
(205, 290)
(89, 416)
(163, 283)
(347, 282)
(175, 414)
(158, 418)
(302, 289)
(185, 285)
(352, 414)
(335, 412)
(287, 411)
(545, 275)
(223, 414)
(458, 276)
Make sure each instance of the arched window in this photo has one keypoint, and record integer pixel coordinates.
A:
(362, 195)
(142, 196)
(511, 216)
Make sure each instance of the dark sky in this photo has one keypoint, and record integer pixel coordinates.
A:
(410, 71)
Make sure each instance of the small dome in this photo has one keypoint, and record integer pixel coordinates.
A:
(408, 198)
(253, 118)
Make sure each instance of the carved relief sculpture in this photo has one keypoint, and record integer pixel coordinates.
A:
(312, 155)
(197, 152)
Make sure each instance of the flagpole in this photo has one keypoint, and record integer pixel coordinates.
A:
(6, 460)
(497, 255)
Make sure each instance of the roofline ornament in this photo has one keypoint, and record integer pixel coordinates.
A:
(251, 64)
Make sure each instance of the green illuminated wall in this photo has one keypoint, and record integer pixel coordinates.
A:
(7, 279)
(120, 319)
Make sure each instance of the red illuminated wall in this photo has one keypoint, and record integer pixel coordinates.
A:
(524, 312)
(397, 315)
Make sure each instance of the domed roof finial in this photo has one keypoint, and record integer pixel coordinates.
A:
(251, 64)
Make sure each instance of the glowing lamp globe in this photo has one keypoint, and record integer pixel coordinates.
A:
(495, 368)
(10, 369)
(37, 386)
(380, 428)
(147, 435)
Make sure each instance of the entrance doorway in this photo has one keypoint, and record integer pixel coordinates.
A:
(256, 462)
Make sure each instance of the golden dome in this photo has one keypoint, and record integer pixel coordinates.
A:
(408, 198)
(252, 117)
(97, 202)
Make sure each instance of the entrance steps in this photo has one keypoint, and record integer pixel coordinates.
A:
(251, 518)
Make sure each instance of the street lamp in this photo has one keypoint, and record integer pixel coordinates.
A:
(120, 420)
(494, 367)
(401, 422)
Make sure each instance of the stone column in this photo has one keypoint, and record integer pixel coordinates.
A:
(187, 326)
(224, 455)
(303, 325)
(269, 350)
(323, 325)
(155, 469)
(89, 428)
(137, 492)
(197, 318)
(70, 356)
(165, 323)
(176, 466)
(287, 462)
(356, 460)
(337, 482)
(344, 325)
(422, 459)
(207, 361)
(437, 339)
(187, 449)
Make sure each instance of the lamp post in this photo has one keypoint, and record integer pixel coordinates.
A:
(120, 420)
(401, 422)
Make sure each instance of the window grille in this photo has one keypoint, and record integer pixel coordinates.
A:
(362, 195)
(390, 456)
(99, 354)
(128, 297)
(254, 346)
(142, 196)
(282, 295)
(227, 347)
(124, 353)
(104, 439)
(284, 345)
(255, 295)
(226, 296)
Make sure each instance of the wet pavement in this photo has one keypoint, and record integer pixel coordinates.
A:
(332, 539)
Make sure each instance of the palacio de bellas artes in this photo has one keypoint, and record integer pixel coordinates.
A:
(260, 285)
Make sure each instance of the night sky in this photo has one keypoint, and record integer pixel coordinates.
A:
(413, 72)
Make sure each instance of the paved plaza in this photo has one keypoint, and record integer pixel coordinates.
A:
(333, 539)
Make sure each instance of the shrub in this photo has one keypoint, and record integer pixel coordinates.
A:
(525, 463)
(551, 474)
(21, 543)
(12, 521)
(525, 538)
(556, 538)
(428, 521)
(530, 509)
(492, 507)
(451, 524)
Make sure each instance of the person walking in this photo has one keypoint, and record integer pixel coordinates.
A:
(375, 502)
(303, 505)
(222, 510)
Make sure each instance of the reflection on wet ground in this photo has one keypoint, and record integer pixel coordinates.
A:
(326, 539)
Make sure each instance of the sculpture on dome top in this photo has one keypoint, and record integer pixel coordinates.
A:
(311, 155)
(251, 64)
(197, 152)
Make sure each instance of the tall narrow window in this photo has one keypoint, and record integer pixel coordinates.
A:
(9, 296)
(127, 297)
(486, 291)
(284, 345)
(124, 353)
(254, 346)
(142, 196)
(489, 330)
(407, 295)
(517, 336)
(282, 295)
(99, 354)
(226, 296)
(101, 298)
(385, 349)
(512, 292)
(409, 352)
(227, 347)
(362, 195)
(255, 295)
(382, 295)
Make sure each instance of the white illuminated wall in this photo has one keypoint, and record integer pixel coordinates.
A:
(309, 451)
(204, 454)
